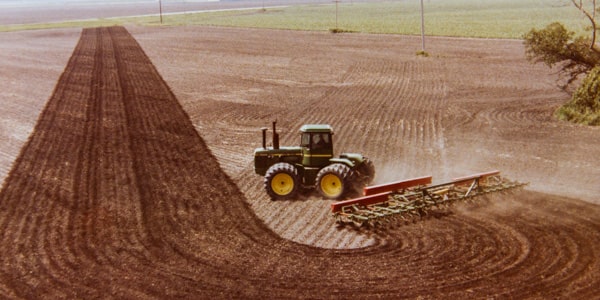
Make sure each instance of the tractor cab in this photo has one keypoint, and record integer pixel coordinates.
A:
(316, 144)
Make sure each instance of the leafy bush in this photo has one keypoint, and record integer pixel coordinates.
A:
(584, 107)
(340, 30)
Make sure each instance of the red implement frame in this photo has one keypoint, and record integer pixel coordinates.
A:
(366, 200)
(379, 193)
(468, 179)
(395, 186)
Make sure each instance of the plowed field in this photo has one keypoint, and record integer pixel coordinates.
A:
(137, 181)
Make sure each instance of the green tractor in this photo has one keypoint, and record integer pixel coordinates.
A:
(311, 165)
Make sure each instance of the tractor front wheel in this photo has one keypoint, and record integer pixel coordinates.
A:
(332, 181)
(282, 181)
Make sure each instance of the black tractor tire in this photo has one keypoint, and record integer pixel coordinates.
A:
(363, 175)
(282, 181)
(366, 172)
(333, 181)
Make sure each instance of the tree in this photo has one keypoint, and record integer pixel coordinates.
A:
(575, 55)
(555, 45)
(591, 16)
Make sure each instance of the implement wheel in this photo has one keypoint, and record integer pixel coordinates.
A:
(332, 181)
(281, 181)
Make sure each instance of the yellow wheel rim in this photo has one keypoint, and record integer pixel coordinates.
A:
(331, 185)
(282, 184)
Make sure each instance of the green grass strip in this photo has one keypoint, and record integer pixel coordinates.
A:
(459, 18)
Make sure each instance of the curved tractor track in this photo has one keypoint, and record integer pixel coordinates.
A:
(116, 195)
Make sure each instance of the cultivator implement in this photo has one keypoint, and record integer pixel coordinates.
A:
(415, 197)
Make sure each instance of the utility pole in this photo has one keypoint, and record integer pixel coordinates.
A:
(160, 10)
(422, 28)
(336, 13)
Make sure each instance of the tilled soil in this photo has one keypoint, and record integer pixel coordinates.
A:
(135, 188)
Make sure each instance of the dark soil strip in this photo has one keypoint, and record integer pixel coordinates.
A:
(116, 183)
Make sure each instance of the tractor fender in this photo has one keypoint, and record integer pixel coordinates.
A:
(344, 161)
(355, 158)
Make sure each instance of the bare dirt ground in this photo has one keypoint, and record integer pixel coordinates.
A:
(31, 64)
(116, 194)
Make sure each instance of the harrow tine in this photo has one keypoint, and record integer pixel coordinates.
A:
(357, 223)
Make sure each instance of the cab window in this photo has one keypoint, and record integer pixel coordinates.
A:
(305, 140)
(320, 140)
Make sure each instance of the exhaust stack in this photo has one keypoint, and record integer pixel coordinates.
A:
(264, 136)
(275, 136)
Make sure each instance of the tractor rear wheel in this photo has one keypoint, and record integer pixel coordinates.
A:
(366, 171)
(333, 181)
(282, 181)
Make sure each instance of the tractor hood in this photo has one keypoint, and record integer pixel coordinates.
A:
(266, 157)
(282, 151)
